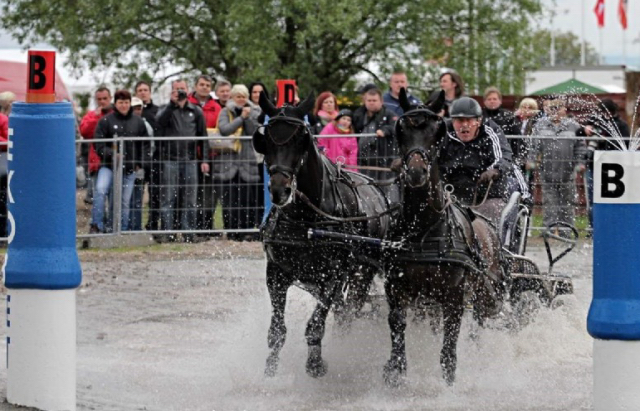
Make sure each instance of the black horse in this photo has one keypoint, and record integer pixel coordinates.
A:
(308, 192)
(445, 246)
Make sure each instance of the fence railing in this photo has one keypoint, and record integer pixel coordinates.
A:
(167, 191)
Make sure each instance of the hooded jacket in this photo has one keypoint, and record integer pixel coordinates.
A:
(345, 147)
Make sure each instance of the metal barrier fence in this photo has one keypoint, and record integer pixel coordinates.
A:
(167, 194)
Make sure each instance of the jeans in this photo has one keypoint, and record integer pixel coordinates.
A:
(179, 176)
(589, 179)
(135, 223)
(103, 188)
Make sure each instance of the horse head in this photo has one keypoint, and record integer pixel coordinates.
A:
(285, 142)
(418, 132)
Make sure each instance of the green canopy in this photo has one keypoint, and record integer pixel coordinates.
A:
(570, 86)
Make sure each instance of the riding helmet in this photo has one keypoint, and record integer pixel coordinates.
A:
(465, 107)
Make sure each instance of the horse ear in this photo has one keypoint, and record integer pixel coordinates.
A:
(404, 100)
(438, 104)
(306, 106)
(266, 105)
(258, 139)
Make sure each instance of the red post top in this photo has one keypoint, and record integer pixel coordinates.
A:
(41, 77)
(286, 92)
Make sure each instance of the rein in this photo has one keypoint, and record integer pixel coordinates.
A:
(475, 194)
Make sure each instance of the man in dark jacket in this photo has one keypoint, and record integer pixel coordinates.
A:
(508, 122)
(120, 123)
(475, 154)
(381, 148)
(182, 120)
(151, 163)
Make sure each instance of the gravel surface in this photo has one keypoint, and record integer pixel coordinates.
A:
(183, 327)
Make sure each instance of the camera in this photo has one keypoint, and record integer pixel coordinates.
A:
(182, 95)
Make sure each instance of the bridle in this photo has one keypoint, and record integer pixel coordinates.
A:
(426, 156)
(415, 118)
(289, 173)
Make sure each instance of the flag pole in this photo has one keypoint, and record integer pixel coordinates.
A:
(624, 47)
(601, 57)
(582, 46)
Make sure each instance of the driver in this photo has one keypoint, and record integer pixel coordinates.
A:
(475, 154)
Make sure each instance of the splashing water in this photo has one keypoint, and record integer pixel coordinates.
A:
(635, 138)
(589, 109)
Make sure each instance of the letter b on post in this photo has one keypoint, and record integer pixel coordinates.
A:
(612, 185)
(615, 177)
(41, 78)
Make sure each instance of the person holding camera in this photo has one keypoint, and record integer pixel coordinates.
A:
(235, 169)
(182, 120)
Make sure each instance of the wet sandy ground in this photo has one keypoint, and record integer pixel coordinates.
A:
(177, 327)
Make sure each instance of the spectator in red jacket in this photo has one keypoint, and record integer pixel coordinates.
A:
(87, 130)
(6, 99)
(202, 97)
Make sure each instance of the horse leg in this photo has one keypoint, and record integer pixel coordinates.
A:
(355, 298)
(316, 366)
(396, 367)
(277, 284)
(453, 309)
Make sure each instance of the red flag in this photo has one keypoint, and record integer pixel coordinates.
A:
(622, 13)
(599, 10)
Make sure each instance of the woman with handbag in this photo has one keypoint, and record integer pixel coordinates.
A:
(234, 164)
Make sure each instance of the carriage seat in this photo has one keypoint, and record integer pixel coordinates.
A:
(508, 219)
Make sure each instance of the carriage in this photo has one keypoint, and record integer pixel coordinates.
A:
(332, 231)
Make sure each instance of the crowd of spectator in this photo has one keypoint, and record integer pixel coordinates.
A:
(186, 179)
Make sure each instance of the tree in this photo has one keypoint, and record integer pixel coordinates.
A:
(321, 43)
(488, 42)
(568, 49)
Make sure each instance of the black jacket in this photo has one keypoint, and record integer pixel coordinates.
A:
(511, 126)
(605, 128)
(118, 125)
(184, 122)
(461, 164)
(375, 151)
(149, 112)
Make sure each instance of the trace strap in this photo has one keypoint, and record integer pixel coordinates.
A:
(308, 202)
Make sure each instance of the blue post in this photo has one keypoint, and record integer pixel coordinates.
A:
(41, 267)
(614, 315)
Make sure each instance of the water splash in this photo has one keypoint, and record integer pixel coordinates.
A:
(588, 109)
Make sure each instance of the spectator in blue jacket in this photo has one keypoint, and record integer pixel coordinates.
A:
(397, 81)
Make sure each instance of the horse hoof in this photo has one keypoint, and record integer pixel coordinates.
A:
(316, 368)
(272, 366)
(394, 373)
(449, 377)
